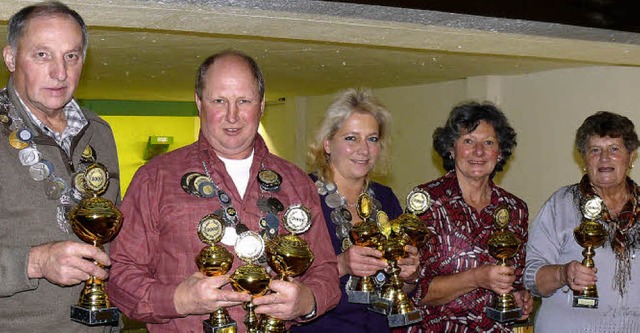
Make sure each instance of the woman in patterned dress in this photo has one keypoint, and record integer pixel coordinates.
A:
(458, 276)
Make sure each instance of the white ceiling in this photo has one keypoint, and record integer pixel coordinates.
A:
(149, 50)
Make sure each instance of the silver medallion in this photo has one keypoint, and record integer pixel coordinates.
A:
(334, 200)
(249, 246)
(297, 219)
(337, 218)
(418, 201)
(41, 170)
(330, 187)
(29, 156)
(592, 208)
(54, 188)
(230, 236)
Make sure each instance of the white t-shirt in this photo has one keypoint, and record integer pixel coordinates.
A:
(239, 172)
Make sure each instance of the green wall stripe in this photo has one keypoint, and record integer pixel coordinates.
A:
(140, 108)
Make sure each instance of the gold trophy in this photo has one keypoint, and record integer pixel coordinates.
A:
(361, 290)
(96, 221)
(503, 245)
(288, 256)
(250, 278)
(589, 235)
(407, 229)
(215, 260)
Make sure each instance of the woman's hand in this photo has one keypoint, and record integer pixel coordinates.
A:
(360, 261)
(498, 279)
(524, 301)
(577, 276)
(409, 265)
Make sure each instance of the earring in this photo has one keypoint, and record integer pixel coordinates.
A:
(327, 156)
(584, 169)
(631, 166)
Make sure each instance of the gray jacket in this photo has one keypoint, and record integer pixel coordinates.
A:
(28, 218)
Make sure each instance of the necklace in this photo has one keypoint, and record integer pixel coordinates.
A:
(42, 170)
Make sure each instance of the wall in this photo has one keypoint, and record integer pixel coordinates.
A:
(545, 108)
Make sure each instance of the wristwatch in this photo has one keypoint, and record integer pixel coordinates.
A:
(311, 314)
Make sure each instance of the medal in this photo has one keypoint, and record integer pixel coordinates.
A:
(207, 189)
(229, 236)
(334, 200)
(501, 217)
(249, 246)
(275, 205)
(62, 212)
(41, 170)
(96, 178)
(592, 208)
(185, 182)
(88, 155)
(210, 230)
(322, 190)
(29, 156)
(336, 217)
(223, 197)
(269, 180)
(53, 189)
(418, 201)
(297, 219)
(15, 142)
(331, 187)
(5, 119)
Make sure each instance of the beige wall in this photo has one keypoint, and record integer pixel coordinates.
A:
(545, 109)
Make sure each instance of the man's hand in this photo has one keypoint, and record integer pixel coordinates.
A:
(199, 294)
(524, 301)
(288, 300)
(67, 263)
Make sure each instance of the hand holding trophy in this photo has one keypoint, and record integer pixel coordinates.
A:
(503, 245)
(406, 229)
(288, 255)
(365, 234)
(215, 260)
(250, 278)
(589, 235)
(96, 221)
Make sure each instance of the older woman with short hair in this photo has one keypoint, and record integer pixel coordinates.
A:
(458, 277)
(607, 143)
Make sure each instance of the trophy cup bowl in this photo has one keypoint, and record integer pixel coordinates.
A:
(589, 235)
(254, 280)
(364, 234)
(503, 245)
(96, 221)
(287, 255)
(215, 261)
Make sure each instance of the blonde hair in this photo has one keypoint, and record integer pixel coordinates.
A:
(346, 103)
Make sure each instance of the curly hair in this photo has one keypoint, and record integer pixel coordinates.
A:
(604, 123)
(464, 118)
(346, 103)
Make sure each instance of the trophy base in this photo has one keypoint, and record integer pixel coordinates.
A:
(228, 328)
(585, 302)
(380, 305)
(503, 316)
(404, 319)
(106, 316)
(359, 297)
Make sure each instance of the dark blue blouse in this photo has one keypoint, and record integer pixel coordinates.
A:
(348, 317)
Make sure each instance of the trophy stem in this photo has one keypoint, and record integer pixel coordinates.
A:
(270, 324)
(366, 284)
(588, 253)
(93, 296)
(590, 291)
(250, 319)
(220, 318)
